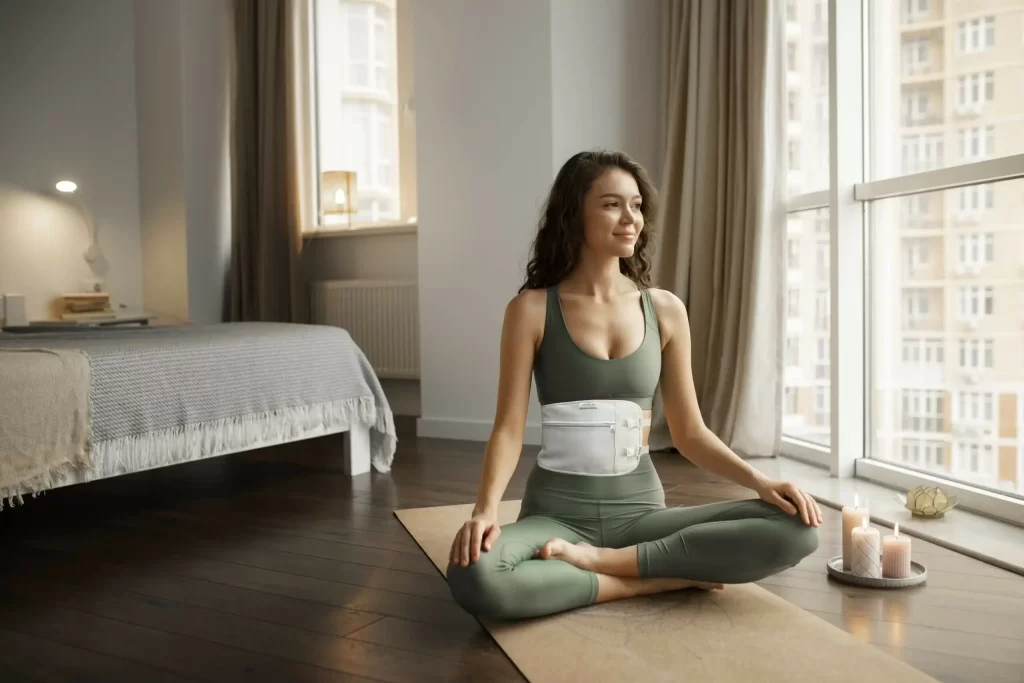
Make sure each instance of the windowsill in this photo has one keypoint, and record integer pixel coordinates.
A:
(361, 230)
(990, 540)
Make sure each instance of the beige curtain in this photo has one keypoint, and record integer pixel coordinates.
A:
(720, 243)
(270, 160)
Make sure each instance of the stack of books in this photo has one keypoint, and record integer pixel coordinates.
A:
(87, 306)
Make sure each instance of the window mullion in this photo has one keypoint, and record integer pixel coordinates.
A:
(847, 152)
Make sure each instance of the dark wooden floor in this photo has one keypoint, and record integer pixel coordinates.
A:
(274, 566)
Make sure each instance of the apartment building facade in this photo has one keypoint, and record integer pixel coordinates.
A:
(946, 269)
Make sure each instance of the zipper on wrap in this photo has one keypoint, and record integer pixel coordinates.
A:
(603, 423)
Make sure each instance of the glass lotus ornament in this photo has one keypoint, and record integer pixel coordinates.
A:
(928, 501)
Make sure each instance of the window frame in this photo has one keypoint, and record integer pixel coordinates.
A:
(401, 136)
(849, 199)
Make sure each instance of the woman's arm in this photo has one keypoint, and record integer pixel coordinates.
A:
(686, 425)
(679, 397)
(520, 332)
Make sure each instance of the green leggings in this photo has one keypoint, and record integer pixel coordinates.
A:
(731, 542)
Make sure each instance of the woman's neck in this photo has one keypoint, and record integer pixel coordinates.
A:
(598, 277)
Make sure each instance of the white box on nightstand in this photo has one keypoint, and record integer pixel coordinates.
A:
(14, 310)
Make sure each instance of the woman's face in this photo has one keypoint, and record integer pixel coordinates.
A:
(611, 214)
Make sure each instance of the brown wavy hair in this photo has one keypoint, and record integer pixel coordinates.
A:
(556, 249)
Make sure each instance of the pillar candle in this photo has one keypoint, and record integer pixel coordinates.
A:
(867, 556)
(851, 518)
(896, 555)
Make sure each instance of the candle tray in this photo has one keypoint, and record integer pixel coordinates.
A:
(918, 575)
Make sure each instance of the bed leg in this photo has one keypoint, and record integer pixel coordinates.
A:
(357, 450)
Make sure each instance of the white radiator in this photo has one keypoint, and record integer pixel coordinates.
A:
(381, 315)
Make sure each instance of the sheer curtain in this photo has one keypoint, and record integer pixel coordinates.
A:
(720, 246)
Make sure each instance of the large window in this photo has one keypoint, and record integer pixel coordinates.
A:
(807, 405)
(921, 308)
(363, 127)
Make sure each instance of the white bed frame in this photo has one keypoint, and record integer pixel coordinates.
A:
(355, 458)
(357, 450)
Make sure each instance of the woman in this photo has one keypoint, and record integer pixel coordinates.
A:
(593, 524)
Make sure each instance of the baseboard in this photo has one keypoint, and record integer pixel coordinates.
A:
(468, 430)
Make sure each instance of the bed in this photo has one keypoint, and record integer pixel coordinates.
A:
(76, 406)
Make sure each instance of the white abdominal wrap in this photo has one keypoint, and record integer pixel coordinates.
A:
(599, 438)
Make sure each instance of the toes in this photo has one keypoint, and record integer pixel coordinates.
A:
(546, 550)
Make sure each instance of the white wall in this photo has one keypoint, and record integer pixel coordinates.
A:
(161, 159)
(206, 88)
(68, 84)
(605, 76)
(483, 119)
(505, 93)
(183, 55)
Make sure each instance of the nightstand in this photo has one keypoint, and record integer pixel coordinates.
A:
(37, 326)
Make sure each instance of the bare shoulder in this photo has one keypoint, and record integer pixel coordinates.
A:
(671, 312)
(525, 312)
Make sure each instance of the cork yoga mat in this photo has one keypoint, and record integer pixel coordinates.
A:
(743, 634)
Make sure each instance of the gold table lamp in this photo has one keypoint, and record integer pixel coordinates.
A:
(339, 194)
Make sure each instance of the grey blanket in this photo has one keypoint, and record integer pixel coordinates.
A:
(223, 386)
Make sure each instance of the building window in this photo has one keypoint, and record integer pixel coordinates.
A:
(922, 152)
(916, 304)
(789, 397)
(793, 101)
(975, 407)
(792, 352)
(822, 407)
(976, 354)
(975, 461)
(923, 410)
(974, 302)
(821, 310)
(360, 123)
(923, 352)
(794, 254)
(823, 361)
(793, 303)
(976, 199)
(914, 10)
(977, 142)
(917, 206)
(821, 258)
(928, 455)
(916, 106)
(918, 254)
(975, 250)
(916, 55)
(976, 35)
(974, 90)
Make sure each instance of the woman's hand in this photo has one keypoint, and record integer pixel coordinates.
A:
(481, 531)
(791, 499)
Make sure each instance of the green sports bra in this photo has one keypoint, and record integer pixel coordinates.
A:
(565, 372)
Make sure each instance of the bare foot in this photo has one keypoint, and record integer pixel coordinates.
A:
(618, 587)
(582, 554)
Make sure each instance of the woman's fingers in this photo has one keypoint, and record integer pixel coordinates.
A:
(478, 539)
(467, 537)
(817, 511)
(798, 498)
(453, 554)
(783, 503)
(491, 536)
